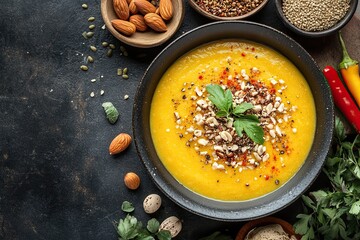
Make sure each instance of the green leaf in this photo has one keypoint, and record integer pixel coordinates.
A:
(329, 212)
(243, 107)
(153, 225)
(302, 225)
(220, 98)
(164, 235)
(129, 227)
(355, 208)
(111, 112)
(127, 207)
(249, 124)
(318, 195)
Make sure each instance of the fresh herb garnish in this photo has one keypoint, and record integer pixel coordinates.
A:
(335, 213)
(223, 100)
(111, 112)
(130, 228)
(127, 207)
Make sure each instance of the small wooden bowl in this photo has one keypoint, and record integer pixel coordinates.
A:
(244, 230)
(149, 38)
(196, 7)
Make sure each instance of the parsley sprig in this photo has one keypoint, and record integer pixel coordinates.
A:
(335, 213)
(248, 123)
(131, 228)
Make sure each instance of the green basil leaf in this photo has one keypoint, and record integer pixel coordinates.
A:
(111, 112)
(153, 225)
(128, 228)
(127, 207)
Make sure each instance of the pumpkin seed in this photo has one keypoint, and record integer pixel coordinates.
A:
(92, 27)
(84, 68)
(119, 72)
(91, 19)
(124, 76)
(93, 48)
(112, 46)
(125, 71)
(90, 59)
(122, 49)
(89, 34)
(109, 52)
(84, 35)
(125, 53)
(105, 44)
(84, 6)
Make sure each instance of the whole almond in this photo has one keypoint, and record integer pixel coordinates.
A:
(139, 22)
(121, 9)
(124, 27)
(144, 6)
(132, 7)
(132, 180)
(119, 143)
(155, 22)
(166, 9)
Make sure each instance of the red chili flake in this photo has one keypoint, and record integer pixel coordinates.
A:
(253, 49)
(272, 90)
(266, 177)
(243, 54)
(201, 77)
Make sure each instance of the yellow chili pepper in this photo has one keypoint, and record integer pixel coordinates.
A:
(349, 69)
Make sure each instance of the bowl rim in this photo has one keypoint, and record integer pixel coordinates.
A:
(232, 210)
(198, 9)
(340, 24)
(150, 41)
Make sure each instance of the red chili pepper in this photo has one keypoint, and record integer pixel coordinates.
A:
(342, 98)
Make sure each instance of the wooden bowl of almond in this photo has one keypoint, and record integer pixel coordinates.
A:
(142, 23)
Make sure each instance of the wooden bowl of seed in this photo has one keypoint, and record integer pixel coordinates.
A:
(313, 18)
(227, 10)
(126, 28)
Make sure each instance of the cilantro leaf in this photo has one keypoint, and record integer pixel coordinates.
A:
(164, 235)
(127, 207)
(153, 225)
(250, 124)
(301, 226)
(243, 107)
(355, 208)
(128, 228)
(220, 98)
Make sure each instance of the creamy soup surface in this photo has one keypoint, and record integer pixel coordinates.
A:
(203, 151)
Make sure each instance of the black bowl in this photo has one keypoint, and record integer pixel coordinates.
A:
(237, 210)
(332, 30)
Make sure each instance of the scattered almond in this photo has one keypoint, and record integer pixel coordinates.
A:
(144, 6)
(132, 7)
(119, 143)
(124, 27)
(132, 180)
(139, 22)
(155, 22)
(121, 9)
(166, 9)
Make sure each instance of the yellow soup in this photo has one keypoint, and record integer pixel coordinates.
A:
(204, 150)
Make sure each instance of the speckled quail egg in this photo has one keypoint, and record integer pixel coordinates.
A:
(152, 203)
(172, 224)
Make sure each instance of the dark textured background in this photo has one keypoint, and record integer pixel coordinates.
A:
(57, 180)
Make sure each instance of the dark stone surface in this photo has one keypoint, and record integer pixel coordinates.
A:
(57, 178)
